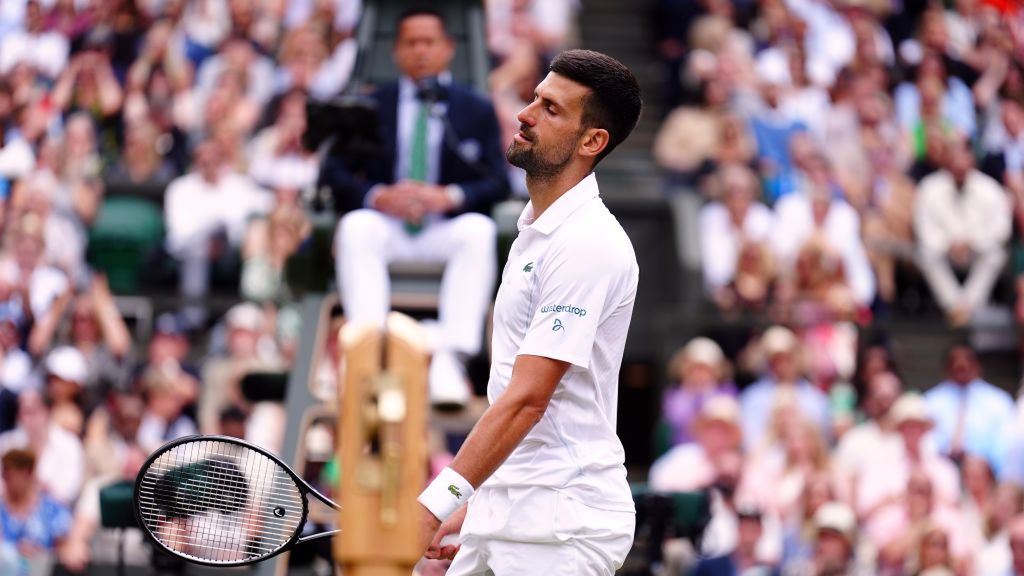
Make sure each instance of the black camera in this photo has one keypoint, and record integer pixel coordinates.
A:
(351, 121)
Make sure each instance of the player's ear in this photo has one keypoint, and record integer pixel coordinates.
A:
(593, 142)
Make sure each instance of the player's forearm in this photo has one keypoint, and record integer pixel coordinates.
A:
(502, 427)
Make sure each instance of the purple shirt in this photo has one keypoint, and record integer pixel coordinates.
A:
(681, 407)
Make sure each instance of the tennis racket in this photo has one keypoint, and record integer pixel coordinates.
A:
(220, 501)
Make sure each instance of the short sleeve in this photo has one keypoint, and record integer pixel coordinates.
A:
(571, 296)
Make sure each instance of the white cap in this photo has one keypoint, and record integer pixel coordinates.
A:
(910, 407)
(245, 316)
(838, 517)
(773, 68)
(704, 351)
(67, 363)
(777, 340)
(721, 408)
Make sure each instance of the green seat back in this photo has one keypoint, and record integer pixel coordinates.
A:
(116, 507)
(124, 236)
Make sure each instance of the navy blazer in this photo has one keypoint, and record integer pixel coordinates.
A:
(471, 153)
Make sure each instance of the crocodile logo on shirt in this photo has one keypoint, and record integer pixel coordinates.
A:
(528, 267)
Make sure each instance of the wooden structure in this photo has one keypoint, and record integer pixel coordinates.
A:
(383, 448)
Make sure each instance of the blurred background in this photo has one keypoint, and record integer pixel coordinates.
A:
(826, 198)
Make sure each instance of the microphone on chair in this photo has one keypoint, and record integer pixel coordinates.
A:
(430, 90)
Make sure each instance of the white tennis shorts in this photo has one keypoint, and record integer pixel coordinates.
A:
(532, 531)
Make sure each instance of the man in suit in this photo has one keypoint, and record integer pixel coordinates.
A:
(426, 196)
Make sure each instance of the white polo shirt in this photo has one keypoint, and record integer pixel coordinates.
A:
(567, 293)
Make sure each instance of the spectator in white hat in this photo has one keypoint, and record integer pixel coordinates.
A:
(699, 372)
(784, 375)
(883, 481)
(66, 374)
(691, 466)
(836, 541)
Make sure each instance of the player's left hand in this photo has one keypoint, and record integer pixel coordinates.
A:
(445, 543)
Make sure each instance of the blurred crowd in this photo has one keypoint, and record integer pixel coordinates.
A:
(857, 156)
(874, 477)
(857, 159)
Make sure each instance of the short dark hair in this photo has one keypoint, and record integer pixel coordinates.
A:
(420, 11)
(19, 459)
(614, 102)
(959, 345)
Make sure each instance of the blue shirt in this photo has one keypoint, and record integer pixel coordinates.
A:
(987, 424)
(45, 525)
(957, 105)
(772, 133)
(758, 402)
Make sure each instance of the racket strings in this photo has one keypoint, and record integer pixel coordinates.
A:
(219, 502)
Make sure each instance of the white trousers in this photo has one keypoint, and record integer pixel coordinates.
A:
(367, 241)
(531, 531)
(984, 272)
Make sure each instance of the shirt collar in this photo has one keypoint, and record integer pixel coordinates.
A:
(565, 205)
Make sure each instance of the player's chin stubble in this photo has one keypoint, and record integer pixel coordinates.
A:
(535, 164)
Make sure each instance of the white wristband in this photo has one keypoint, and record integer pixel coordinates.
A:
(446, 494)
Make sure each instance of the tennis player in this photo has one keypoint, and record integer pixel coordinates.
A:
(543, 464)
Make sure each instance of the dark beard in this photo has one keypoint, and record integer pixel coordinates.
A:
(534, 165)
